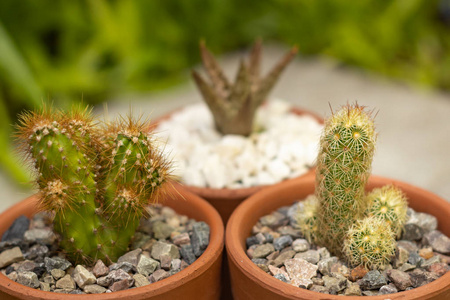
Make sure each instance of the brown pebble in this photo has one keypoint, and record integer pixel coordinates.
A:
(119, 285)
(438, 268)
(426, 253)
(357, 273)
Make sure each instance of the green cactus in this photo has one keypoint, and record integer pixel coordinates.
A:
(389, 204)
(343, 168)
(369, 242)
(307, 217)
(96, 182)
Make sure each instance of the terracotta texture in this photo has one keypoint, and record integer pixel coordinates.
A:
(249, 282)
(201, 280)
(226, 200)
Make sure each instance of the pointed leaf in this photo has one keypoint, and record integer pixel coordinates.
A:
(218, 79)
(241, 87)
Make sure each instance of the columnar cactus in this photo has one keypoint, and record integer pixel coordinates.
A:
(389, 204)
(343, 168)
(96, 182)
(369, 242)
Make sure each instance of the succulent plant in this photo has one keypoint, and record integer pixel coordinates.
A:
(307, 217)
(389, 204)
(233, 105)
(369, 242)
(96, 181)
(343, 168)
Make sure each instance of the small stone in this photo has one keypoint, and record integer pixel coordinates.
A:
(289, 230)
(372, 280)
(57, 273)
(160, 248)
(282, 242)
(407, 267)
(279, 261)
(118, 275)
(83, 277)
(165, 262)
(36, 251)
(26, 265)
(317, 281)
(10, 256)
(438, 241)
(56, 263)
(370, 293)
(426, 252)
(408, 245)
(199, 238)
(335, 283)
(274, 271)
(401, 256)
(126, 266)
(48, 279)
(146, 265)
(388, 289)
(324, 253)
(273, 255)
(148, 245)
(262, 251)
(319, 289)
(187, 253)
(104, 281)
(162, 230)
(429, 262)
(120, 285)
(40, 235)
(66, 283)
(424, 221)
(252, 240)
(140, 280)
(183, 264)
(340, 268)
(29, 279)
(182, 239)
(324, 265)
(175, 264)
(300, 271)
(438, 268)
(300, 245)
(420, 277)
(100, 269)
(353, 290)
(281, 277)
(444, 258)
(43, 286)
(17, 229)
(130, 257)
(94, 289)
(276, 219)
(400, 279)
(412, 232)
(159, 275)
(311, 256)
(13, 276)
(415, 259)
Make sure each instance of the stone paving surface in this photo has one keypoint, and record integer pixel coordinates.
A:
(413, 124)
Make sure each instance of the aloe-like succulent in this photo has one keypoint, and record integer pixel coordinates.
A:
(233, 105)
(388, 203)
(369, 242)
(95, 180)
(343, 168)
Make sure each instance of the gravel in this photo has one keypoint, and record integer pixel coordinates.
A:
(291, 259)
(29, 255)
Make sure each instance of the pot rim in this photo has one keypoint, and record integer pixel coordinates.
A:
(235, 243)
(239, 193)
(215, 247)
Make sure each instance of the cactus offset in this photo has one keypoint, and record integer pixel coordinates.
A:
(369, 242)
(389, 204)
(90, 180)
(343, 168)
(307, 217)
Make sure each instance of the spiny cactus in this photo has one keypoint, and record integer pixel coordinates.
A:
(233, 106)
(307, 217)
(369, 242)
(95, 181)
(343, 168)
(389, 204)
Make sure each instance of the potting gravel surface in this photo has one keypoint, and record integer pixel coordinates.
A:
(279, 249)
(164, 244)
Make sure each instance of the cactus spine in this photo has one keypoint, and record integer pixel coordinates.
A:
(389, 204)
(96, 184)
(343, 168)
(369, 242)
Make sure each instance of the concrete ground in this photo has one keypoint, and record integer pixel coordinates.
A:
(413, 124)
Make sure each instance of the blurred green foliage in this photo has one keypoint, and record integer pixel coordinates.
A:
(63, 51)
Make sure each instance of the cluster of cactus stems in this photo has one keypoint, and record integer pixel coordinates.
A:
(347, 221)
(96, 180)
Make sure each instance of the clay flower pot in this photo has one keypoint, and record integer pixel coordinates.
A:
(200, 280)
(226, 200)
(250, 282)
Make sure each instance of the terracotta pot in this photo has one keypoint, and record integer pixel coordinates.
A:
(226, 200)
(250, 282)
(201, 280)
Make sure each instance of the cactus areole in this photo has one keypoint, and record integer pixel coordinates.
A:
(95, 181)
